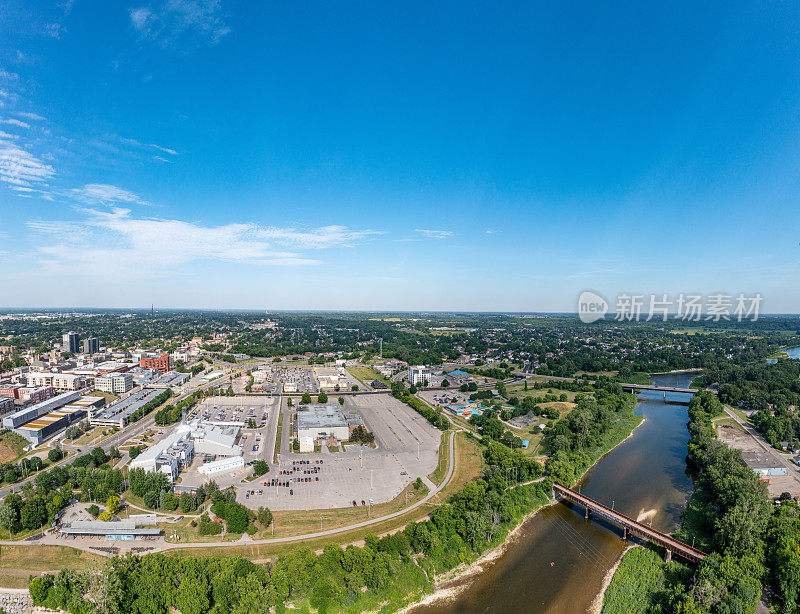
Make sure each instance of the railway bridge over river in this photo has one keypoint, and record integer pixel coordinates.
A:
(669, 543)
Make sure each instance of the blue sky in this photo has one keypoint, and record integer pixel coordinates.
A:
(453, 156)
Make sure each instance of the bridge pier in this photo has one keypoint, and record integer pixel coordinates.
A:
(625, 533)
(668, 555)
(665, 396)
(586, 514)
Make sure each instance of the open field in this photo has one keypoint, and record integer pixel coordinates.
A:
(11, 446)
(17, 563)
(366, 374)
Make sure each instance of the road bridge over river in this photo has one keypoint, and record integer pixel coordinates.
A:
(669, 543)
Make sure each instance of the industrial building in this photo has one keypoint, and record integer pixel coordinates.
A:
(765, 465)
(116, 383)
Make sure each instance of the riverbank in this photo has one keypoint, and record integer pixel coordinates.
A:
(599, 600)
(454, 582)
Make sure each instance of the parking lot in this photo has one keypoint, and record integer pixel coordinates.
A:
(360, 472)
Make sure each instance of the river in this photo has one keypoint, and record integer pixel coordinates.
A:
(558, 560)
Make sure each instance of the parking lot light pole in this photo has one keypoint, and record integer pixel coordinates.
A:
(417, 449)
(370, 479)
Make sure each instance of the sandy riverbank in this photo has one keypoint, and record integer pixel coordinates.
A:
(455, 581)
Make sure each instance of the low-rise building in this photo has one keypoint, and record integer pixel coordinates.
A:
(322, 423)
(6, 405)
(160, 362)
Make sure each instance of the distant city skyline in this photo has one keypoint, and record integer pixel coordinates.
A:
(222, 155)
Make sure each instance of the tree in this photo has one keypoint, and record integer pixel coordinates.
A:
(260, 467)
(322, 398)
(264, 516)
(306, 399)
(354, 388)
(8, 518)
(112, 504)
(445, 383)
(55, 455)
(412, 389)
(341, 401)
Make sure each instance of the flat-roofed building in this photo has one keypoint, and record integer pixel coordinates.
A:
(91, 345)
(119, 413)
(168, 456)
(59, 381)
(168, 380)
(322, 423)
(6, 405)
(418, 375)
(44, 427)
(120, 530)
(222, 465)
(22, 416)
(116, 383)
(162, 362)
(36, 395)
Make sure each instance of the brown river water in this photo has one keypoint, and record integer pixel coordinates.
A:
(557, 561)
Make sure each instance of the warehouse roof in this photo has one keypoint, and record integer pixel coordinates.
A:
(320, 416)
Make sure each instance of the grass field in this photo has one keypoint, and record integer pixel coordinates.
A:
(636, 583)
(108, 396)
(444, 461)
(12, 446)
(18, 563)
(729, 422)
(366, 374)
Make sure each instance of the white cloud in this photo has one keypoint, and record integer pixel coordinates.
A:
(31, 116)
(110, 244)
(434, 234)
(104, 194)
(14, 122)
(6, 135)
(160, 159)
(20, 168)
(172, 152)
(180, 22)
(11, 76)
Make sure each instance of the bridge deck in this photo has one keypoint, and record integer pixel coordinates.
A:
(660, 388)
(657, 537)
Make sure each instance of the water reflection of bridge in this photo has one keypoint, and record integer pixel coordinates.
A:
(669, 543)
